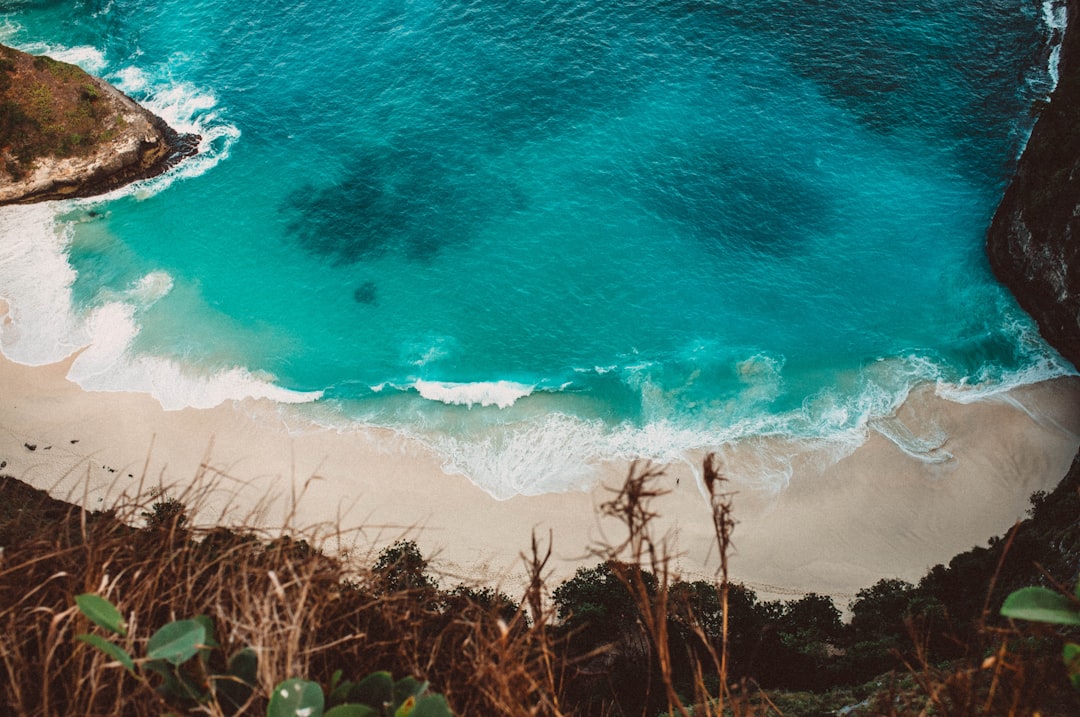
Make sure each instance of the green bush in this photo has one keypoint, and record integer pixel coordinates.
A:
(180, 655)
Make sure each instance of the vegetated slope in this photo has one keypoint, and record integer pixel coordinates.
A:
(309, 615)
(65, 133)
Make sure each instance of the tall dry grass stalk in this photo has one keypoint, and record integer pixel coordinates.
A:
(304, 614)
(641, 550)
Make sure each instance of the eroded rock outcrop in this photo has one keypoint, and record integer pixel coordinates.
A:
(65, 133)
(1034, 240)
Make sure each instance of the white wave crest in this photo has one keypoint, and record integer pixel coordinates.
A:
(1043, 363)
(35, 282)
(485, 393)
(187, 109)
(1056, 18)
(107, 364)
(557, 452)
(41, 327)
(150, 288)
(87, 57)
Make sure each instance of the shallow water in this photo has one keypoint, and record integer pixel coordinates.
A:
(537, 235)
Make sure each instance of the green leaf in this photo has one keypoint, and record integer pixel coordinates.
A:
(208, 643)
(352, 710)
(296, 698)
(176, 683)
(335, 679)
(1041, 605)
(407, 687)
(176, 642)
(235, 687)
(112, 650)
(1071, 654)
(208, 624)
(339, 693)
(376, 690)
(431, 706)
(101, 612)
(245, 665)
(405, 707)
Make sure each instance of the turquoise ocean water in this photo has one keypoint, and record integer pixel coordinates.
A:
(542, 233)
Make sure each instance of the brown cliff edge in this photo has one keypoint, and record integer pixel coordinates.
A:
(65, 133)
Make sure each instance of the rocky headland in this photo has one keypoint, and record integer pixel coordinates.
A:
(65, 133)
(1034, 239)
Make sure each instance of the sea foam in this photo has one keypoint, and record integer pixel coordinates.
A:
(493, 393)
(1056, 19)
(187, 109)
(42, 326)
(557, 452)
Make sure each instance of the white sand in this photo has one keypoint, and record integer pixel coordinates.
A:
(836, 527)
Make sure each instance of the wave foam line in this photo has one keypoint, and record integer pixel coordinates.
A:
(41, 327)
(35, 281)
(187, 109)
(558, 452)
(1056, 18)
(928, 448)
(484, 393)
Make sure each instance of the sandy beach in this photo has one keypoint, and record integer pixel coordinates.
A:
(835, 527)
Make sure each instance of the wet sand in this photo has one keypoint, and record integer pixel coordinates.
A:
(817, 524)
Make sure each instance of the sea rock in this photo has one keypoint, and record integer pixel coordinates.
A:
(65, 133)
(1034, 240)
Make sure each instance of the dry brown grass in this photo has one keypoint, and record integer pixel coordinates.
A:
(308, 615)
(304, 614)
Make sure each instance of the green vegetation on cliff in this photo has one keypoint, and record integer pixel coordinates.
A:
(66, 134)
(47, 109)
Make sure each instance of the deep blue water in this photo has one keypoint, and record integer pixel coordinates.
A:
(632, 228)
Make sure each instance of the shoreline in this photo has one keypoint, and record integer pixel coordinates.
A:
(838, 526)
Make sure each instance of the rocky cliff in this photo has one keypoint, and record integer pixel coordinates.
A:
(64, 133)
(1034, 240)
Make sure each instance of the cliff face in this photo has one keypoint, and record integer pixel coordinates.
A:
(64, 133)
(1034, 240)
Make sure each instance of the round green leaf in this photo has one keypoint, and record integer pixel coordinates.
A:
(245, 665)
(1041, 605)
(431, 706)
(176, 642)
(112, 650)
(352, 710)
(1071, 654)
(101, 612)
(377, 689)
(408, 687)
(296, 698)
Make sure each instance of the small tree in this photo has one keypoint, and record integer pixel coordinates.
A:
(167, 513)
(401, 567)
